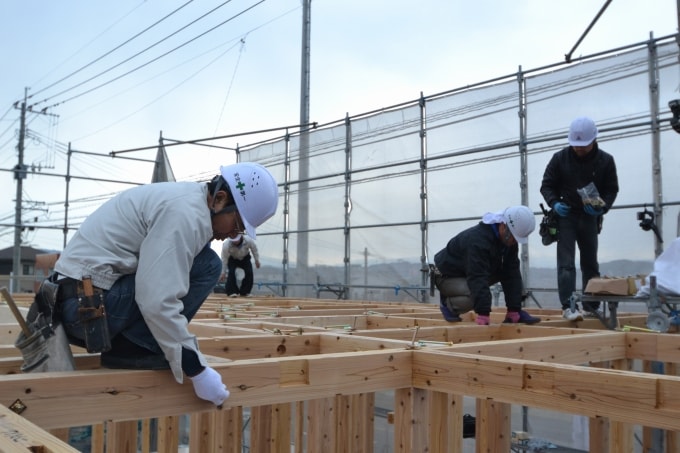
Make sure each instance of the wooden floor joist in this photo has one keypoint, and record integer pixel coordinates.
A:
(307, 374)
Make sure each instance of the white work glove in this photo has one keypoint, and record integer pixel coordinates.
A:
(208, 386)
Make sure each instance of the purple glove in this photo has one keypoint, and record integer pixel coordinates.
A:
(208, 386)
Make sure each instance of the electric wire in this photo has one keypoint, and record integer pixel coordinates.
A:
(6, 112)
(102, 56)
(153, 101)
(118, 47)
(119, 93)
(101, 85)
(231, 83)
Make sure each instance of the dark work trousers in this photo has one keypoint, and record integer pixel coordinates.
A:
(247, 282)
(122, 312)
(576, 229)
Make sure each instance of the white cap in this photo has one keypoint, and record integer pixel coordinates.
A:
(521, 222)
(255, 192)
(582, 131)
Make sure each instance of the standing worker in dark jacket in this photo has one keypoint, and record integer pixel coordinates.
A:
(580, 184)
(479, 257)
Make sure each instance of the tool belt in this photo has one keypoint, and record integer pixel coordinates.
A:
(91, 311)
(43, 315)
(435, 276)
(70, 288)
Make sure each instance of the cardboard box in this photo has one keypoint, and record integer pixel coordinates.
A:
(607, 285)
(635, 283)
(617, 286)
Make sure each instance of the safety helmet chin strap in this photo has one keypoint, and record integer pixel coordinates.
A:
(219, 184)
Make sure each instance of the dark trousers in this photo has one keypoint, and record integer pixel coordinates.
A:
(246, 283)
(122, 312)
(582, 230)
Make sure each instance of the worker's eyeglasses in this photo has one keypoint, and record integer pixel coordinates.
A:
(225, 210)
(239, 229)
(508, 238)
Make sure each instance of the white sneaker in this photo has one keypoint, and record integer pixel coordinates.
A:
(572, 315)
(592, 314)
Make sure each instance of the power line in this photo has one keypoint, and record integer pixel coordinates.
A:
(158, 97)
(231, 82)
(106, 54)
(89, 42)
(141, 52)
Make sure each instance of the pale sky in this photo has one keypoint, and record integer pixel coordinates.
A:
(108, 86)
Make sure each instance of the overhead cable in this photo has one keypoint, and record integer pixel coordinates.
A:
(141, 52)
(90, 42)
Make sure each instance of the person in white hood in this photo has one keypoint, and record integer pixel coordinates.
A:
(147, 253)
(236, 254)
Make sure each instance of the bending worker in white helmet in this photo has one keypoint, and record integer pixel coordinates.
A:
(147, 253)
(480, 256)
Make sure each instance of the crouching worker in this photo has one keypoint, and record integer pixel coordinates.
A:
(140, 267)
(477, 258)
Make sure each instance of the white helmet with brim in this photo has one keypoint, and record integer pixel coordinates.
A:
(255, 193)
(521, 222)
(582, 131)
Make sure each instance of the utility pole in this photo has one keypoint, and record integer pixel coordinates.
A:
(303, 192)
(19, 175)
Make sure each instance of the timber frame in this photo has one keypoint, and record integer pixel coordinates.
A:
(307, 370)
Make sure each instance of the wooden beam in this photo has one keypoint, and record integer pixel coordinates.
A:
(649, 400)
(128, 394)
(18, 434)
(569, 349)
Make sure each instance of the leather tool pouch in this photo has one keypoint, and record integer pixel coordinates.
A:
(435, 276)
(92, 316)
(43, 314)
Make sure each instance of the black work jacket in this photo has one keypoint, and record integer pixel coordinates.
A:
(566, 172)
(478, 255)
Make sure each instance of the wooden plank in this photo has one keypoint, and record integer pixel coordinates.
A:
(128, 394)
(264, 346)
(9, 333)
(99, 439)
(232, 429)
(261, 438)
(321, 421)
(493, 430)
(146, 435)
(202, 430)
(270, 428)
(281, 428)
(567, 349)
(300, 428)
(121, 436)
(343, 425)
(438, 423)
(454, 414)
(650, 400)
(403, 420)
(419, 421)
(672, 437)
(363, 422)
(342, 343)
(18, 434)
(621, 435)
(168, 434)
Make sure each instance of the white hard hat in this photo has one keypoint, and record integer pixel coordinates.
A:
(521, 222)
(255, 193)
(582, 131)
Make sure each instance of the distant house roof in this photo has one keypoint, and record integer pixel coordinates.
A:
(27, 253)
